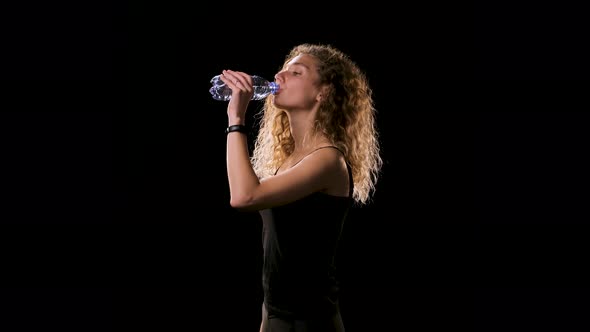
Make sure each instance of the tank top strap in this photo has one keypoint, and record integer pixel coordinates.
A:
(312, 151)
(350, 180)
(321, 147)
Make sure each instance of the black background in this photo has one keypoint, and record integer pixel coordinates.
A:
(116, 211)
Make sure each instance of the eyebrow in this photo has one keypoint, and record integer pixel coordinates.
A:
(299, 64)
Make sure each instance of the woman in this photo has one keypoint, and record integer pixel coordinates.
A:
(316, 154)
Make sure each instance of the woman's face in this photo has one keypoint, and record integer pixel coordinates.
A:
(299, 84)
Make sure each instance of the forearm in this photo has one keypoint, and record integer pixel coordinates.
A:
(242, 178)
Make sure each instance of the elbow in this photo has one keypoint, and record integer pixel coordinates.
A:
(241, 203)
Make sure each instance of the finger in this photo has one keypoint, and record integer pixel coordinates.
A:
(227, 74)
(229, 79)
(238, 76)
(245, 79)
(237, 80)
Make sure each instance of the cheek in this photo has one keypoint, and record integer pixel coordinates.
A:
(288, 99)
(296, 96)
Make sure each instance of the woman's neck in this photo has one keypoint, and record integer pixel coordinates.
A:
(303, 132)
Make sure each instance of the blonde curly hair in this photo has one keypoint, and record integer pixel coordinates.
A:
(346, 117)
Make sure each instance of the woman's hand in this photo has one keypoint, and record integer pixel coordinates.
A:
(242, 92)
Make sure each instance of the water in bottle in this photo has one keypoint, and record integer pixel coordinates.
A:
(262, 88)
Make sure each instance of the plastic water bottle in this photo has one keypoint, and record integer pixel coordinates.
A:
(262, 88)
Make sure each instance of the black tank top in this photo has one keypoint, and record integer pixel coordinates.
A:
(300, 241)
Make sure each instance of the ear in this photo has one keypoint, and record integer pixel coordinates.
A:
(323, 92)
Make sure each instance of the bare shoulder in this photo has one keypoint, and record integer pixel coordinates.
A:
(334, 168)
(322, 170)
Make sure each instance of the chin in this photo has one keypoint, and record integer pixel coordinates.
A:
(277, 102)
